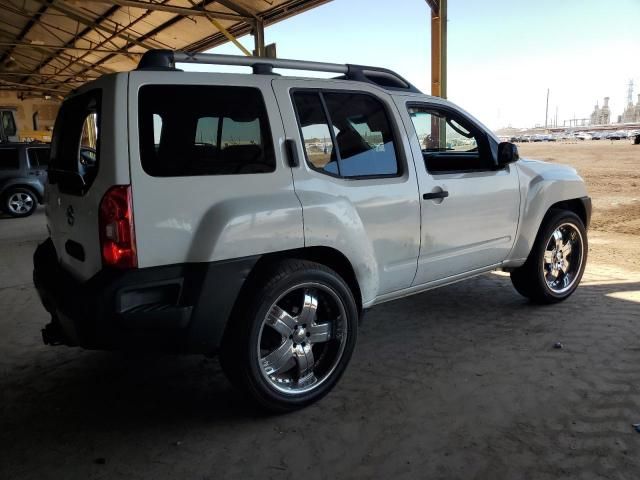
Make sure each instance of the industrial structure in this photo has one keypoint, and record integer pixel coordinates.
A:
(601, 116)
(631, 112)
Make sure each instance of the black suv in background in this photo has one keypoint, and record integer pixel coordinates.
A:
(23, 175)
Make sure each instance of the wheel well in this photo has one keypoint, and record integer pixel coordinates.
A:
(326, 256)
(575, 205)
(8, 188)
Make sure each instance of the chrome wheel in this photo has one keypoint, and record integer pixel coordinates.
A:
(563, 257)
(20, 203)
(302, 338)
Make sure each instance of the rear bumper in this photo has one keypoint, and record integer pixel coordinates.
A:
(176, 308)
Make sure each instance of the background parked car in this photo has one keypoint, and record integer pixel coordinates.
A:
(583, 136)
(23, 175)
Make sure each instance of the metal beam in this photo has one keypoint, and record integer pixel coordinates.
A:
(269, 17)
(235, 7)
(65, 47)
(438, 47)
(95, 25)
(184, 11)
(258, 35)
(27, 28)
(221, 28)
(143, 37)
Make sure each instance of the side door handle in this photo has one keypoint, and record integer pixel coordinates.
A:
(434, 195)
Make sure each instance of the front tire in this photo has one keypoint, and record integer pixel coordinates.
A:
(292, 336)
(557, 260)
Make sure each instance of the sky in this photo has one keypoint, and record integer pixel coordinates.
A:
(503, 55)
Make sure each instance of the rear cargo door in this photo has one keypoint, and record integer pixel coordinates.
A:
(94, 119)
(209, 176)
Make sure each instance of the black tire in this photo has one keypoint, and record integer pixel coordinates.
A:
(19, 202)
(241, 354)
(531, 279)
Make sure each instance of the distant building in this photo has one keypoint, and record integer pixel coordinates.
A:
(601, 116)
(631, 114)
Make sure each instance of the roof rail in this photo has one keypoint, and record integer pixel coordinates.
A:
(167, 59)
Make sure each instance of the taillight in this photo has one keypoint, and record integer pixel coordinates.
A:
(117, 237)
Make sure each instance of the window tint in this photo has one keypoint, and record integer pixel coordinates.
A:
(75, 146)
(206, 131)
(203, 130)
(449, 144)
(8, 123)
(9, 159)
(361, 131)
(38, 157)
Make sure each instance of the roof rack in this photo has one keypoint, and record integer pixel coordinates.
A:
(167, 59)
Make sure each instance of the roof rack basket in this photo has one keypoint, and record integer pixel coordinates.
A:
(167, 59)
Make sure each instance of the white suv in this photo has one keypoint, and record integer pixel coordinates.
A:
(258, 215)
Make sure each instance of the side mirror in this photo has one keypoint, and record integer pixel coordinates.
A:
(507, 153)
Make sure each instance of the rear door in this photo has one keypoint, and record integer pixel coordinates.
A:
(209, 177)
(94, 118)
(356, 178)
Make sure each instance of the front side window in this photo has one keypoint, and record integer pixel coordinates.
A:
(346, 134)
(9, 159)
(449, 143)
(193, 130)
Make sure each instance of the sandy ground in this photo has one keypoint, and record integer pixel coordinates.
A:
(612, 172)
(457, 383)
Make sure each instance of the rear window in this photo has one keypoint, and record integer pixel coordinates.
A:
(191, 130)
(75, 146)
(38, 157)
(9, 159)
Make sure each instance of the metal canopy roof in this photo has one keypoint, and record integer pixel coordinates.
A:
(52, 46)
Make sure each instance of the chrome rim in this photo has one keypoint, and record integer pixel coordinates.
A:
(563, 255)
(302, 338)
(20, 203)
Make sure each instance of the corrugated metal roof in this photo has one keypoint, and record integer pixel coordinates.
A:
(53, 46)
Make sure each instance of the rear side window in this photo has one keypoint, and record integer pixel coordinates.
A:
(346, 134)
(189, 130)
(75, 146)
(9, 159)
(38, 157)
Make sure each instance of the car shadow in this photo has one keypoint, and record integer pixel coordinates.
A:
(53, 393)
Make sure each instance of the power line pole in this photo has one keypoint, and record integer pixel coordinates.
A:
(546, 112)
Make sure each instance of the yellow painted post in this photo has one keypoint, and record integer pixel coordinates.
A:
(439, 49)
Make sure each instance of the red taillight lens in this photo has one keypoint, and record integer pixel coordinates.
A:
(117, 237)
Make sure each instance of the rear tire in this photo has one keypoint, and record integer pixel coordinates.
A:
(291, 336)
(557, 260)
(19, 202)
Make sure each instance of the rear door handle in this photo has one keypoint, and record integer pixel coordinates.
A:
(434, 195)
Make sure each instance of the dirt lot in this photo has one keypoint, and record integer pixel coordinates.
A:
(612, 172)
(457, 383)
